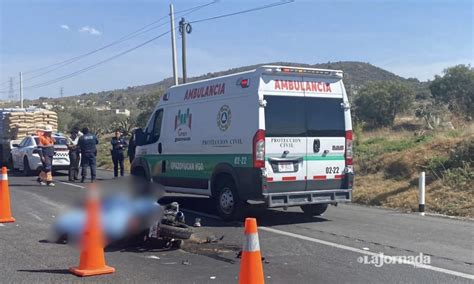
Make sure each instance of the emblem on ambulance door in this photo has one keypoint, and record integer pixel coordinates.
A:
(224, 117)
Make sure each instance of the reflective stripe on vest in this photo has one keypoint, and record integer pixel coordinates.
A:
(251, 243)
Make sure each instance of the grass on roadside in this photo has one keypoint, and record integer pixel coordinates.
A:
(388, 165)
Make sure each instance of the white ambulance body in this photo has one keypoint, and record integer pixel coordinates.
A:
(278, 134)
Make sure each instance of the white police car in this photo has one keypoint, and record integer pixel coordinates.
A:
(25, 155)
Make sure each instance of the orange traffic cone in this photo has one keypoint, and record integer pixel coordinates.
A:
(251, 269)
(92, 261)
(5, 210)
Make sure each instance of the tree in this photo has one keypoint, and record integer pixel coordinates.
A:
(65, 121)
(146, 104)
(378, 103)
(456, 89)
(90, 118)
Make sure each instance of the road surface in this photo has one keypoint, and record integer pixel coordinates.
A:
(297, 249)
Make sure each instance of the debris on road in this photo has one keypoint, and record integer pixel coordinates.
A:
(153, 257)
(213, 239)
(186, 262)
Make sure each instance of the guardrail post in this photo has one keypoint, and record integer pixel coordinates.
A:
(421, 197)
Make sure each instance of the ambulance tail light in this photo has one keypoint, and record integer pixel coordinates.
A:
(349, 150)
(259, 149)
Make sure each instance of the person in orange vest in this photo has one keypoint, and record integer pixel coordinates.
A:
(46, 144)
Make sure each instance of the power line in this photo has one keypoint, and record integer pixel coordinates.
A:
(124, 38)
(94, 65)
(243, 11)
(131, 35)
(43, 84)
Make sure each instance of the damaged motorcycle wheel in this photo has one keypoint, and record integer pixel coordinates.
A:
(177, 231)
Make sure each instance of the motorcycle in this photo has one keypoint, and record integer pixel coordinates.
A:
(123, 217)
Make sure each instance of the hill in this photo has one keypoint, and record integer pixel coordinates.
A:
(356, 74)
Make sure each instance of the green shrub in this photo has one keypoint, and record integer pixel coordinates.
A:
(437, 165)
(455, 88)
(378, 103)
(460, 178)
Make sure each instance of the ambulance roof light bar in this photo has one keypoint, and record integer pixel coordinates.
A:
(303, 71)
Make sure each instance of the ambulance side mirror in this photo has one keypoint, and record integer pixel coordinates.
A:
(140, 137)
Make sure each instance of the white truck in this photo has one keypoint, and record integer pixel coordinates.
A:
(278, 134)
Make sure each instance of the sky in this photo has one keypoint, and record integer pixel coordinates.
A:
(411, 38)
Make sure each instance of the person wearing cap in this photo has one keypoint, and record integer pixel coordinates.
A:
(88, 145)
(46, 144)
(74, 154)
(118, 146)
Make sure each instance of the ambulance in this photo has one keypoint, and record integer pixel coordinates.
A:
(279, 135)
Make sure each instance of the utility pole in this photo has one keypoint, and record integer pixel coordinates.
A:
(173, 46)
(184, 28)
(21, 90)
(61, 92)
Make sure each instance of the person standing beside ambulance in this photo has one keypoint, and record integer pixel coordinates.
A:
(118, 146)
(46, 144)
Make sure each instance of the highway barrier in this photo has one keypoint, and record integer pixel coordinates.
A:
(5, 209)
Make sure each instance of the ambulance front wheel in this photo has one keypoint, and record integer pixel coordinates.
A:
(229, 205)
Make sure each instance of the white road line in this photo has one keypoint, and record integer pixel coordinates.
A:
(71, 184)
(36, 216)
(348, 248)
(393, 259)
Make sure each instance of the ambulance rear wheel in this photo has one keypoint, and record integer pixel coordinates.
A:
(314, 209)
(229, 205)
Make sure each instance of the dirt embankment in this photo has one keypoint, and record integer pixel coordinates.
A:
(388, 164)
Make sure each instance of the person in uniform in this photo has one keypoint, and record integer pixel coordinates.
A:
(118, 146)
(88, 146)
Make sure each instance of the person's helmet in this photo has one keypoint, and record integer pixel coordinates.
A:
(48, 128)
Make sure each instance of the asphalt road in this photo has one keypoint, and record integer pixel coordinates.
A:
(296, 249)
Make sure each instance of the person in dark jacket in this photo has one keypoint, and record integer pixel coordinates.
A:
(118, 146)
(131, 147)
(88, 146)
